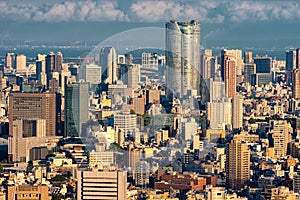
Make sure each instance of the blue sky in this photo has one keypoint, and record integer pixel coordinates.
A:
(97, 19)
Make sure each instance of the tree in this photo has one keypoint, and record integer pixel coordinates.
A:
(58, 178)
(1, 169)
(29, 166)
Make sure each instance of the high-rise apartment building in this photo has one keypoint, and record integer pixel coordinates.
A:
(237, 55)
(33, 106)
(76, 109)
(228, 73)
(103, 185)
(208, 64)
(109, 63)
(296, 83)
(280, 137)
(219, 113)
(182, 57)
(248, 59)
(237, 163)
(237, 112)
(10, 60)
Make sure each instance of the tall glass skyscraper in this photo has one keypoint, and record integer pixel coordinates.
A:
(182, 57)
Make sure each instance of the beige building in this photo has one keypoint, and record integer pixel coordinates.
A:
(237, 163)
(280, 133)
(237, 112)
(20, 63)
(33, 106)
(28, 192)
(106, 185)
(296, 83)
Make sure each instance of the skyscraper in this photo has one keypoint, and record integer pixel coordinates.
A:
(296, 83)
(182, 57)
(228, 72)
(237, 55)
(76, 108)
(108, 62)
(53, 64)
(33, 106)
(290, 60)
(237, 163)
(298, 58)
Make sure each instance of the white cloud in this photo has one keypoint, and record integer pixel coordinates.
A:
(207, 11)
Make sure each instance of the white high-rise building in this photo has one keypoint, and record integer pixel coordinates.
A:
(219, 113)
(182, 57)
(92, 74)
(109, 63)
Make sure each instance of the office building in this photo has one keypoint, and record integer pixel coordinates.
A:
(105, 185)
(126, 121)
(20, 63)
(53, 64)
(33, 106)
(237, 112)
(29, 192)
(290, 60)
(25, 136)
(228, 73)
(108, 63)
(133, 76)
(138, 105)
(296, 83)
(298, 58)
(249, 70)
(260, 79)
(152, 60)
(76, 109)
(237, 163)
(92, 74)
(182, 57)
(263, 64)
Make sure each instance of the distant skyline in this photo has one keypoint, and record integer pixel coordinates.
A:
(239, 23)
